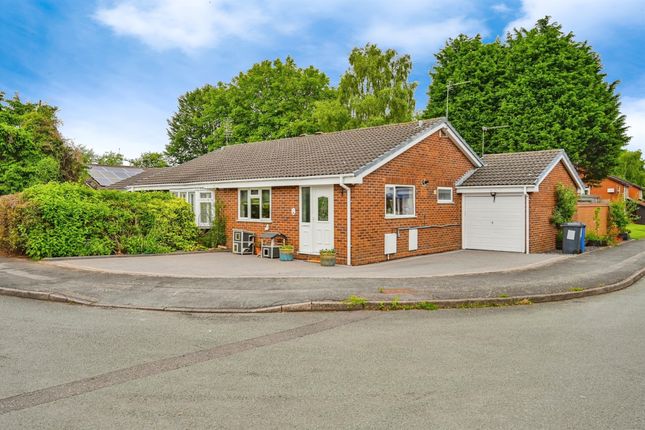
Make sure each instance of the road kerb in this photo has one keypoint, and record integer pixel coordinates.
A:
(326, 306)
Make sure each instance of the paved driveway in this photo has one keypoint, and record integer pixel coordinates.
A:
(227, 265)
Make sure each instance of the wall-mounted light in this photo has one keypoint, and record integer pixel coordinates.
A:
(424, 182)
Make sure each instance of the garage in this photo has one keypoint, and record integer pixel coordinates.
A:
(507, 204)
(494, 222)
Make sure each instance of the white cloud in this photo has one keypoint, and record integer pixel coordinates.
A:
(586, 18)
(420, 40)
(502, 8)
(634, 110)
(184, 24)
(416, 26)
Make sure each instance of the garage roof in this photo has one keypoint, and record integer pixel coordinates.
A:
(518, 169)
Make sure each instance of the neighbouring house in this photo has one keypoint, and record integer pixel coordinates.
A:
(377, 193)
(613, 188)
(100, 176)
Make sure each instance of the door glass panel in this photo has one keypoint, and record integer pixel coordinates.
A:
(323, 208)
(266, 204)
(205, 212)
(306, 204)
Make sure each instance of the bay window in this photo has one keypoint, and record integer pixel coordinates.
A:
(202, 204)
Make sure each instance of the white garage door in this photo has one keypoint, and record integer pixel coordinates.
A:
(494, 223)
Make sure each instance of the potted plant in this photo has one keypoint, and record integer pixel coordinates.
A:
(286, 253)
(327, 257)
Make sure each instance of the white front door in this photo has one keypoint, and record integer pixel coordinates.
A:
(316, 219)
(494, 223)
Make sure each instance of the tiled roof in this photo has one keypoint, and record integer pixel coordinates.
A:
(513, 168)
(337, 153)
(121, 185)
(624, 182)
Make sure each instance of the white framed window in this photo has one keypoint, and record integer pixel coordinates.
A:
(254, 204)
(202, 203)
(400, 201)
(444, 195)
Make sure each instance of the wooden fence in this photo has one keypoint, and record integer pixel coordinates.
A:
(586, 213)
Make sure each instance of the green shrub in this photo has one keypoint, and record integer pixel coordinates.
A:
(216, 235)
(56, 220)
(565, 206)
(619, 216)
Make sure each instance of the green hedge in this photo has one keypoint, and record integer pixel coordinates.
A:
(60, 220)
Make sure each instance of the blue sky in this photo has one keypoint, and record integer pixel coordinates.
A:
(116, 67)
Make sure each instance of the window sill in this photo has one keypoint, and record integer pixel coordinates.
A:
(445, 202)
(399, 216)
(262, 221)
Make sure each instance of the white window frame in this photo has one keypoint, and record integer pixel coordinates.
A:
(414, 201)
(248, 197)
(196, 203)
(444, 201)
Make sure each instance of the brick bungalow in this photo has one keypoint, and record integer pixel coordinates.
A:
(377, 193)
(613, 189)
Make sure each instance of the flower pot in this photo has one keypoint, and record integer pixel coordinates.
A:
(286, 255)
(328, 260)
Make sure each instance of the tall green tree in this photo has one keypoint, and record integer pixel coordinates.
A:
(548, 88)
(374, 90)
(150, 159)
(32, 149)
(110, 158)
(631, 166)
(272, 99)
(191, 130)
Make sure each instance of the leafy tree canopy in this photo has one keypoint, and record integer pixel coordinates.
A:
(548, 88)
(150, 159)
(110, 158)
(32, 149)
(374, 90)
(271, 100)
(631, 166)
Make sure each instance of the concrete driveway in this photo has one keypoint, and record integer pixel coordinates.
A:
(228, 265)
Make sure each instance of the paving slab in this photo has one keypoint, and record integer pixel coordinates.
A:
(228, 265)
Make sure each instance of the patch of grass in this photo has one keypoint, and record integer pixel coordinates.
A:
(503, 296)
(636, 231)
(394, 305)
(381, 290)
(355, 300)
(576, 289)
(427, 306)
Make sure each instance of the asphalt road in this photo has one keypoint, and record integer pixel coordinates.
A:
(577, 364)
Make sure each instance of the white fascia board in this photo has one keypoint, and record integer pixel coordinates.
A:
(443, 125)
(254, 183)
(502, 189)
(570, 168)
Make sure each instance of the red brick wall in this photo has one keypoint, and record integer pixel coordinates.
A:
(542, 234)
(635, 193)
(600, 190)
(435, 159)
(283, 199)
